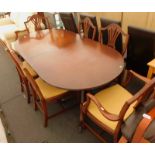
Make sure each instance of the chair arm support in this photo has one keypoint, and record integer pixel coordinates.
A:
(102, 110)
(125, 44)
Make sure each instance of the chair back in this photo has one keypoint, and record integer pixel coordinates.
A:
(87, 26)
(113, 31)
(141, 49)
(36, 23)
(34, 85)
(18, 63)
(68, 21)
(118, 43)
(94, 22)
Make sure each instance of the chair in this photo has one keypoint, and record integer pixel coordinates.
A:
(114, 31)
(110, 107)
(37, 22)
(105, 23)
(21, 34)
(20, 66)
(141, 49)
(87, 28)
(43, 94)
(94, 22)
(138, 127)
(68, 21)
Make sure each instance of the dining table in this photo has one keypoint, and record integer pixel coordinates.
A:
(67, 60)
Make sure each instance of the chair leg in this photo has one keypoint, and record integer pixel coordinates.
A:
(21, 84)
(35, 101)
(45, 121)
(27, 91)
(22, 87)
(45, 113)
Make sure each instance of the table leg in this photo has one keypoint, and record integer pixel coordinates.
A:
(82, 96)
(149, 74)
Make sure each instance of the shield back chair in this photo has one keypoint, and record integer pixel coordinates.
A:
(36, 23)
(89, 30)
(20, 67)
(68, 21)
(119, 43)
(109, 108)
(94, 21)
(44, 94)
(141, 49)
(114, 31)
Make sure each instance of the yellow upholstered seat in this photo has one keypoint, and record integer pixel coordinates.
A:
(112, 99)
(29, 68)
(47, 90)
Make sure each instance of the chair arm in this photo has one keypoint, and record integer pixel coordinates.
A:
(20, 32)
(102, 110)
(146, 80)
(130, 74)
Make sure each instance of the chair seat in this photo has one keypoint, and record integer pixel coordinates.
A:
(116, 96)
(29, 68)
(49, 91)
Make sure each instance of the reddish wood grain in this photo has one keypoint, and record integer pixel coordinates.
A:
(65, 60)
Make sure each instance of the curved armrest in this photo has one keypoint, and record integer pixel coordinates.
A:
(130, 74)
(143, 78)
(103, 111)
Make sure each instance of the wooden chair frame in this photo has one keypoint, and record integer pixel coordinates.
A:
(20, 32)
(41, 103)
(114, 30)
(139, 97)
(22, 78)
(87, 24)
(37, 20)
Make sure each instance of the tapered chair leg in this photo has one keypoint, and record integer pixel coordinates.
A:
(21, 83)
(45, 114)
(27, 91)
(35, 100)
(45, 121)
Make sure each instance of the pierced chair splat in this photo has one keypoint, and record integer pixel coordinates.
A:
(114, 30)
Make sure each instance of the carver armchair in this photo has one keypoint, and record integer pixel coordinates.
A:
(109, 108)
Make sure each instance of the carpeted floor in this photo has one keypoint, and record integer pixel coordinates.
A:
(26, 125)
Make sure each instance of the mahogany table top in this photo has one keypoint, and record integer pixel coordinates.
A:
(63, 59)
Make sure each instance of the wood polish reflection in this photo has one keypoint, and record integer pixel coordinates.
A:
(61, 38)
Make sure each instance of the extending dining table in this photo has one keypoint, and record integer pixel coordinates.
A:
(63, 59)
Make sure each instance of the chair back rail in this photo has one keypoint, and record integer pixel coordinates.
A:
(37, 21)
(114, 30)
(86, 25)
